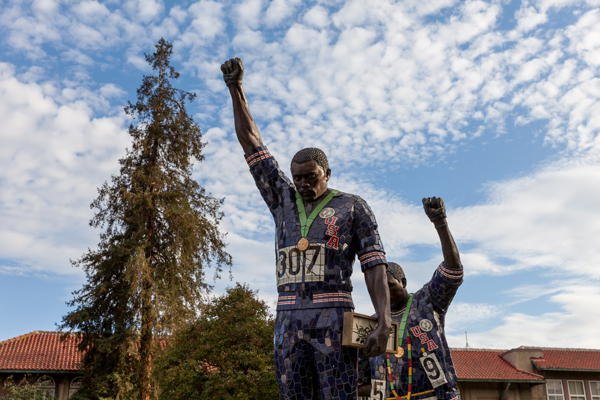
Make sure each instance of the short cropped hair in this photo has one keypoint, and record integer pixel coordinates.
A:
(311, 154)
(396, 271)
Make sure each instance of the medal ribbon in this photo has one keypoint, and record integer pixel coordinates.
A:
(304, 223)
(402, 331)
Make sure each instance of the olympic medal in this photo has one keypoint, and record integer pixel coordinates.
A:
(400, 352)
(303, 244)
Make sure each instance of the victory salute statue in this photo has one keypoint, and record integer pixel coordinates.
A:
(422, 369)
(319, 231)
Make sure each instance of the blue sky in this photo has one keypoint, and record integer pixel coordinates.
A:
(492, 105)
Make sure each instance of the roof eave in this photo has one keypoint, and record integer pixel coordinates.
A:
(502, 380)
(566, 369)
(39, 371)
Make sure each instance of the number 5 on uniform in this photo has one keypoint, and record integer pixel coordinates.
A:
(377, 390)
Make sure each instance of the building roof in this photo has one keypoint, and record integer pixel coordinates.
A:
(44, 351)
(487, 365)
(39, 351)
(556, 359)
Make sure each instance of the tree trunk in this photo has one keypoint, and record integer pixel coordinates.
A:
(146, 340)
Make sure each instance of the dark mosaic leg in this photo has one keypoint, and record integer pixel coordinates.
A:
(294, 364)
(335, 364)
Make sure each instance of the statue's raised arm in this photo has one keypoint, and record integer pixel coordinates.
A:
(245, 128)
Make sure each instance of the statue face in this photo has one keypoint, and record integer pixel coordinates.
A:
(398, 291)
(310, 179)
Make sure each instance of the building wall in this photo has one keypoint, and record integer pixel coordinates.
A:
(566, 376)
(62, 381)
(493, 390)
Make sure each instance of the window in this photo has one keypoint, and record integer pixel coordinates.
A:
(576, 391)
(595, 390)
(74, 386)
(555, 390)
(46, 385)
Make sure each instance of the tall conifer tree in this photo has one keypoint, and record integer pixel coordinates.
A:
(160, 233)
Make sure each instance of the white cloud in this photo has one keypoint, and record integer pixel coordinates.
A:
(460, 314)
(572, 324)
(144, 10)
(248, 13)
(55, 153)
(279, 10)
(317, 16)
(542, 221)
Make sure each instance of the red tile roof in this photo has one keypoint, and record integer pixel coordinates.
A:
(487, 365)
(44, 351)
(39, 351)
(568, 360)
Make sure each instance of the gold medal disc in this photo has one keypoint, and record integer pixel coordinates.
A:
(400, 352)
(303, 244)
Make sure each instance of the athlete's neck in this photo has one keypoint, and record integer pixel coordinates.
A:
(399, 303)
(309, 205)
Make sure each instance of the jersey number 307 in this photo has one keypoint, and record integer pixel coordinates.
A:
(295, 266)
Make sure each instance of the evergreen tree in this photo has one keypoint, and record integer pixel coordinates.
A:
(160, 233)
(225, 354)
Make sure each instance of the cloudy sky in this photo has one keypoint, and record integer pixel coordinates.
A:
(492, 105)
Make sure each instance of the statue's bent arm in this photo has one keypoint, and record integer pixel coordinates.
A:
(377, 285)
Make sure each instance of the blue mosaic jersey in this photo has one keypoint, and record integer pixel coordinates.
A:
(433, 371)
(320, 276)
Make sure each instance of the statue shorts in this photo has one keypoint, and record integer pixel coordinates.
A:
(309, 359)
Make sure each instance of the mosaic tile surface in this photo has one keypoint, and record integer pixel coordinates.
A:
(344, 229)
(434, 376)
(310, 361)
(314, 285)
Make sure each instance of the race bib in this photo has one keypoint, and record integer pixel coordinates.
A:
(377, 390)
(433, 370)
(295, 266)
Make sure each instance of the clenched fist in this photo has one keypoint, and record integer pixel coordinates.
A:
(434, 208)
(233, 71)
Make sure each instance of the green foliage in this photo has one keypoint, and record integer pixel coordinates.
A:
(23, 390)
(227, 353)
(160, 234)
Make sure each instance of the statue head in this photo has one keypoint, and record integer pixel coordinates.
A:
(310, 172)
(397, 284)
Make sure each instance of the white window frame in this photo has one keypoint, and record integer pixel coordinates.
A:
(49, 392)
(74, 386)
(576, 396)
(592, 395)
(556, 395)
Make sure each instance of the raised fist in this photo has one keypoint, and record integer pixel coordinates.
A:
(434, 208)
(233, 71)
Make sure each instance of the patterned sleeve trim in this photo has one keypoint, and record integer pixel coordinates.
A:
(371, 259)
(261, 154)
(450, 273)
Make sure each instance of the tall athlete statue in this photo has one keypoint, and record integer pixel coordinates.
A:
(319, 231)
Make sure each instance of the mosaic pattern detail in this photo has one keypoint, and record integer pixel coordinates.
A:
(310, 361)
(429, 303)
(314, 285)
(319, 277)
(373, 256)
(308, 300)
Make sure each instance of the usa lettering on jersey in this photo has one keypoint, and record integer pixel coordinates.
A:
(332, 230)
(417, 332)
